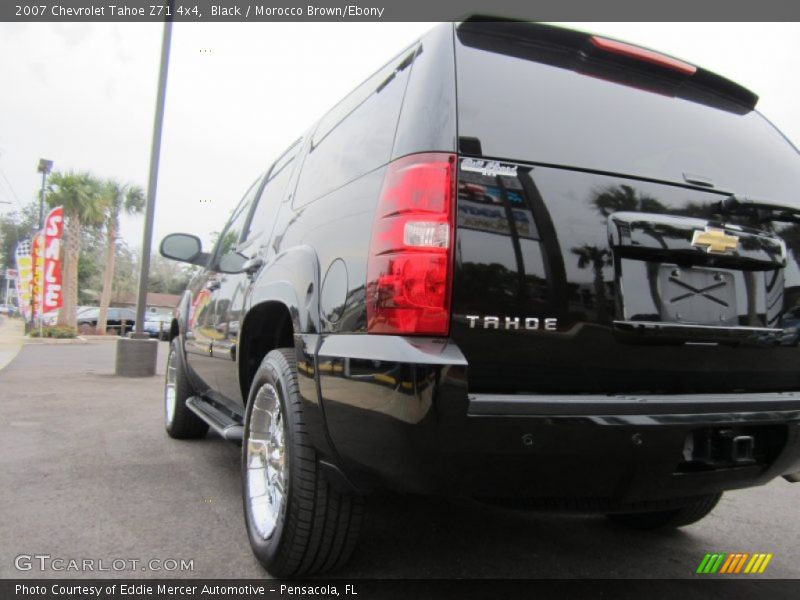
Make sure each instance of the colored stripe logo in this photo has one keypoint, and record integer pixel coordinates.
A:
(734, 563)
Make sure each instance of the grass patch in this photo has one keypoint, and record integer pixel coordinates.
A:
(53, 331)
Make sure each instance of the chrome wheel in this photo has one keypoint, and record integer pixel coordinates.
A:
(266, 461)
(170, 389)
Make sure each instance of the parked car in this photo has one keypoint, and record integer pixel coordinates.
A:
(516, 263)
(157, 326)
(119, 321)
(7, 309)
(51, 317)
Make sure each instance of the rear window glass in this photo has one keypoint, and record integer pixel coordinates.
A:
(524, 110)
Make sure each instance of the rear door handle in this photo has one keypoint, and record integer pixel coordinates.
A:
(252, 265)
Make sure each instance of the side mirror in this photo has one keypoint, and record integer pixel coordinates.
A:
(231, 263)
(183, 247)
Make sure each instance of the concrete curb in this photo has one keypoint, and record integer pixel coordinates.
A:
(81, 339)
(48, 341)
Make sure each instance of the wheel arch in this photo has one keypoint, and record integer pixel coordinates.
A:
(283, 302)
(180, 315)
(267, 326)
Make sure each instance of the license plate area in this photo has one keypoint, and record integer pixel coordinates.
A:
(696, 296)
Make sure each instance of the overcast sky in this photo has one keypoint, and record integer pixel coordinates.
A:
(83, 95)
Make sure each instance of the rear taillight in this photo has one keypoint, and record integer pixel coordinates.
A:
(409, 270)
(643, 55)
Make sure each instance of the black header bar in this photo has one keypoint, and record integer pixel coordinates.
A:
(697, 588)
(391, 10)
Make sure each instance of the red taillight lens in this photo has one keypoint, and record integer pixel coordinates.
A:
(410, 257)
(643, 54)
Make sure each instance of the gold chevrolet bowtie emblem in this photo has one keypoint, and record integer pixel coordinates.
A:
(715, 241)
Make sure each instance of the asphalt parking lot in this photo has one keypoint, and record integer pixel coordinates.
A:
(86, 471)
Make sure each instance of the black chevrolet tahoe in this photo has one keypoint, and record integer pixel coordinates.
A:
(519, 263)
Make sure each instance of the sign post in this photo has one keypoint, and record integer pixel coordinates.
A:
(10, 274)
(137, 355)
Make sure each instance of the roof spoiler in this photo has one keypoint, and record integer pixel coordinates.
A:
(613, 60)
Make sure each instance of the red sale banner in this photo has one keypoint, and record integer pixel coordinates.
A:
(51, 285)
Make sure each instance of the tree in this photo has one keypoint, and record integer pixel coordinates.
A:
(167, 276)
(126, 271)
(14, 228)
(84, 204)
(90, 265)
(625, 198)
(119, 198)
(598, 259)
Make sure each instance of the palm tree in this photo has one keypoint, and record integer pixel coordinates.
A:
(614, 198)
(598, 259)
(84, 206)
(119, 197)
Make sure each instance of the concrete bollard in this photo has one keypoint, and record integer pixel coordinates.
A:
(136, 357)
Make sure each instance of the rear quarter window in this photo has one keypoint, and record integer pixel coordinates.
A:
(356, 136)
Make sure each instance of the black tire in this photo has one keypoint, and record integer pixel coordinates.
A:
(180, 422)
(316, 526)
(669, 519)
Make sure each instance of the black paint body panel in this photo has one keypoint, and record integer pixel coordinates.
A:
(547, 244)
(599, 407)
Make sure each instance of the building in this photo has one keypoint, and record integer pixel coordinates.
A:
(162, 304)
